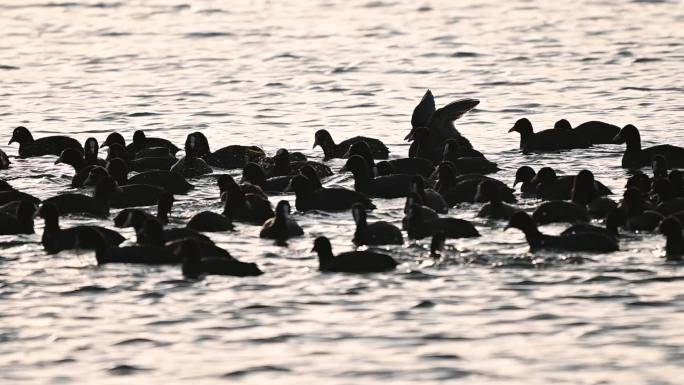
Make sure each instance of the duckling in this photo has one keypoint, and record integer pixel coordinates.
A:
(56, 239)
(595, 131)
(495, 209)
(332, 150)
(21, 222)
(203, 259)
(376, 233)
(671, 228)
(326, 199)
(636, 157)
(585, 241)
(281, 227)
(229, 157)
(547, 140)
(49, 145)
(351, 261)
(418, 228)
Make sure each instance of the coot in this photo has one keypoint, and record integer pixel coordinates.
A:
(49, 145)
(351, 261)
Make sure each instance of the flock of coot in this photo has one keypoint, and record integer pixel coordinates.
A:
(442, 170)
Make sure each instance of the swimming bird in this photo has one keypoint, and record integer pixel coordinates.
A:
(671, 228)
(128, 194)
(90, 152)
(98, 205)
(427, 214)
(419, 228)
(560, 211)
(254, 174)
(281, 227)
(637, 157)
(586, 241)
(640, 214)
(164, 205)
(116, 150)
(4, 161)
(285, 164)
(248, 208)
(19, 223)
(151, 254)
(332, 150)
(137, 218)
(614, 220)
(376, 233)
(56, 239)
(75, 159)
(192, 165)
(414, 166)
(465, 164)
(351, 261)
(228, 157)
(487, 191)
(142, 141)
(225, 180)
(547, 140)
(201, 259)
(428, 196)
(597, 132)
(307, 197)
(49, 145)
(387, 186)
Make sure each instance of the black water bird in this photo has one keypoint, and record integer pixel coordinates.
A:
(192, 164)
(140, 141)
(351, 261)
(585, 241)
(248, 208)
(671, 228)
(281, 227)
(254, 174)
(48, 145)
(595, 131)
(560, 211)
(284, 163)
(415, 166)
(429, 197)
(307, 197)
(75, 159)
(387, 186)
(4, 161)
(137, 218)
(419, 228)
(426, 213)
(129, 194)
(164, 205)
(551, 140)
(97, 205)
(201, 259)
(487, 191)
(640, 213)
(91, 149)
(615, 219)
(228, 157)
(440, 122)
(19, 223)
(375, 233)
(637, 157)
(56, 239)
(225, 180)
(332, 150)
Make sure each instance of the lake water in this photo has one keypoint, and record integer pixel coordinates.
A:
(271, 74)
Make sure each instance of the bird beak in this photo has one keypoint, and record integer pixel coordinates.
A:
(316, 143)
(512, 129)
(313, 249)
(12, 140)
(618, 139)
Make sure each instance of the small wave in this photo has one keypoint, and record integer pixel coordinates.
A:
(257, 369)
(6, 67)
(141, 114)
(125, 370)
(206, 35)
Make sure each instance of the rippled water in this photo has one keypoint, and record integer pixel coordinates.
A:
(272, 73)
